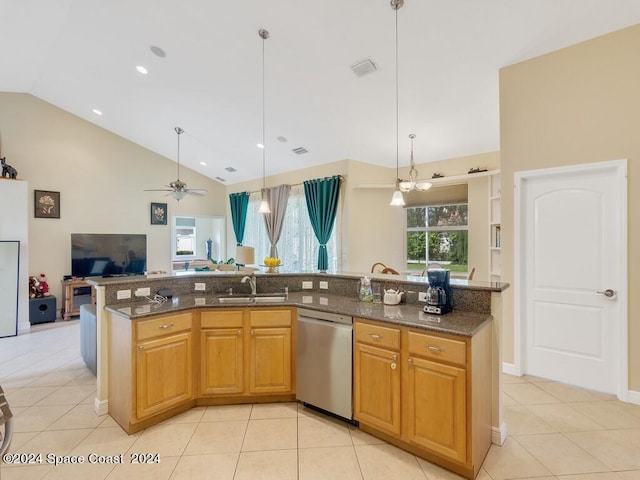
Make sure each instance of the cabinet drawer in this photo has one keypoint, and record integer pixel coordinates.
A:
(270, 318)
(159, 327)
(437, 348)
(222, 319)
(377, 335)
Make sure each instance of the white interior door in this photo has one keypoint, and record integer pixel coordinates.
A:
(571, 234)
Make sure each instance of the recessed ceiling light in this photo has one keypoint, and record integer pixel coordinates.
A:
(141, 69)
(259, 145)
(204, 164)
(157, 51)
(96, 111)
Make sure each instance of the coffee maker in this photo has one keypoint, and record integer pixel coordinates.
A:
(439, 292)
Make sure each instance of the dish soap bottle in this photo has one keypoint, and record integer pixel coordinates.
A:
(366, 292)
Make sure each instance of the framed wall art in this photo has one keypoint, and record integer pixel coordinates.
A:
(46, 204)
(158, 213)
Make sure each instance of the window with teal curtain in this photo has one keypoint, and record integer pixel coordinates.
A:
(239, 203)
(322, 196)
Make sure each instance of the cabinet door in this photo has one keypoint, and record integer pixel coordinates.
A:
(164, 373)
(270, 360)
(435, 406)
(221, 361)
(377, 388)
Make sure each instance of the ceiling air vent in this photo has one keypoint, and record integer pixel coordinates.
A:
(231, 169)
(220, 179)
(299, 150)
(364, 66)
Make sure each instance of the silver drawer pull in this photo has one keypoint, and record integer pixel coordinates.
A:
(394, 357)
(140, 347)
(375, 336)
(435, 349)
(168, 325)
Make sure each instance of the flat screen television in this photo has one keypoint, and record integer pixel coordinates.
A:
(108, 254)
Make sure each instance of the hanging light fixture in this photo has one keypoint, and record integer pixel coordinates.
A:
(397, 200)
(412, 183)
(264, 204)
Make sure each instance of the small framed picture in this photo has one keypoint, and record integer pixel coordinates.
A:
(158, 213)
(46, 204)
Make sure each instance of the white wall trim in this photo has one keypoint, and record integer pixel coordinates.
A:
(499, 435)
(620, 167)
(101, 407)
(633, 397)
(510, 369)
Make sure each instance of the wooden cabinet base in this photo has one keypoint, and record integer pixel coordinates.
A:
(433, 458)
(134, 427)
(207, 401)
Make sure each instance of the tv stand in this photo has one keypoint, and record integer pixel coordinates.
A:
(74, 294)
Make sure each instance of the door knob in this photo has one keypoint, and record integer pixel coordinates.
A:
(609, 293)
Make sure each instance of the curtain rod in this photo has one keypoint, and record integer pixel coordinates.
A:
(342, 178)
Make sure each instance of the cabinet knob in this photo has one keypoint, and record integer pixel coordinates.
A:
(393, 366)
(239, 332)
(252, 332)
(394, 357)
(410, 361)
(140, 347)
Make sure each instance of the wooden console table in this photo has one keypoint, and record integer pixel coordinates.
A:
(74, 294)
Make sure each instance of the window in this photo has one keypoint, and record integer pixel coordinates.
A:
(298, 245)
(438, 234)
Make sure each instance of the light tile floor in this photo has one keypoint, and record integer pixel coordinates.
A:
(555, 431)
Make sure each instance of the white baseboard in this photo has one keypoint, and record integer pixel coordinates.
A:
(499, 435)
(101, 407)
(634, 397)
(509, 369)
(24, 326)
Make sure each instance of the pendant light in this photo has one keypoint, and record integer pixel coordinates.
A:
(264, 204)
(397, 200)
(412, 183)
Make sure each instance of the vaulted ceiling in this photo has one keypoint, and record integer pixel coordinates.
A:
(82, 55)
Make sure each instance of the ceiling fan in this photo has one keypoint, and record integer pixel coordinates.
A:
(178, 189)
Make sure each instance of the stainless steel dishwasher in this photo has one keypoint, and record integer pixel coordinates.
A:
(324, 361)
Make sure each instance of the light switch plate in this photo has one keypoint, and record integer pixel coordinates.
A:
(143, 291)
(422, 296)
(199, 287)
(307, 285)
(324, 285)
(123, 294)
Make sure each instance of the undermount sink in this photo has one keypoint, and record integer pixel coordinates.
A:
(258, 298)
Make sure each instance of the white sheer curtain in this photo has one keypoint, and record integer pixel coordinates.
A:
(298, 246)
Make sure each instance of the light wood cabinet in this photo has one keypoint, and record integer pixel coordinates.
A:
(428, 393)
(377, 376)
(152, 369)
(222, 352)
(246, 352)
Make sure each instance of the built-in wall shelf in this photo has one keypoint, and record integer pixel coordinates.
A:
(450, 180)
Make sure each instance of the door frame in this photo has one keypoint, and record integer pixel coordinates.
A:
(621, 326)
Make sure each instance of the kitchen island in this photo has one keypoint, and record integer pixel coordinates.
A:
(180, 333)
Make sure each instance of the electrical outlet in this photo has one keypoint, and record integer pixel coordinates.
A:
(143, 291)
(307, 285)
(199, 287)
(422, 296)
(123, 294)
(324, 285)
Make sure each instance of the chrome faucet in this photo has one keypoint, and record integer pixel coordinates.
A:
(252, 281)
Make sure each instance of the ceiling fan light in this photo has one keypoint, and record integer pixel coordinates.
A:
(179, 195)
(397, 200)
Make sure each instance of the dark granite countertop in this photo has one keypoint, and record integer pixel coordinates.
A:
(410, 315)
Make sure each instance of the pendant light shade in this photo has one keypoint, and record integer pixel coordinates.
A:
(264, 204)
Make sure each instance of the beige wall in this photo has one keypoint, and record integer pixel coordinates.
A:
(100, 177)
(577, 105)
(372, 230)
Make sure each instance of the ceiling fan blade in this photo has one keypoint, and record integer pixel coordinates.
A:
(159, 190)
(196, 192)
